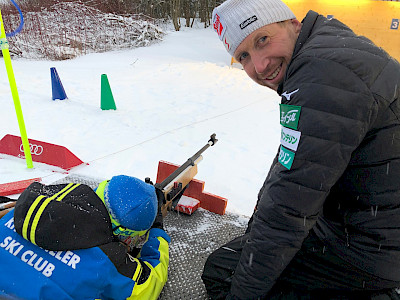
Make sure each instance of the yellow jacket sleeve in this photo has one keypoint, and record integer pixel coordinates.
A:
(152, 271)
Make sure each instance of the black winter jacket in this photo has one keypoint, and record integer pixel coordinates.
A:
(338, 167)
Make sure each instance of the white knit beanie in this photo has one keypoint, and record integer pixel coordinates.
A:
(234, 20)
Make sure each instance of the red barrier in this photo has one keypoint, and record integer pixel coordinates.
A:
(42, 152)
(16, 187)
(210, 202)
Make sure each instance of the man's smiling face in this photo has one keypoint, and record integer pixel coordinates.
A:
(266, 52)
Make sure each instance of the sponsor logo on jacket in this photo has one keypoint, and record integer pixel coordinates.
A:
(290, 115)
(290, 138)
(286, 157)
(288, 95)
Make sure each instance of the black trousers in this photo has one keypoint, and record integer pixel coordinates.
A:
(315, 273)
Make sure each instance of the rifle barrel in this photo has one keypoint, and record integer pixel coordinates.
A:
(190, 162)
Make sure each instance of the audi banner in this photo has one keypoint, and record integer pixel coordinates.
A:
(42, 152)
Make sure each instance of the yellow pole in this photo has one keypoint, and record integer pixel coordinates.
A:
(14, 92)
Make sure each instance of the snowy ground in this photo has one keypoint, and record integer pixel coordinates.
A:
(170, 98)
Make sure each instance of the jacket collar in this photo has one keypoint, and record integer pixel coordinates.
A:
(308, 25)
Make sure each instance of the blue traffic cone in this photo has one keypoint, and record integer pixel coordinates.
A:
(56, 86)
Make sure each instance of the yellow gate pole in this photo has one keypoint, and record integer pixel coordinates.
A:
(14, 92)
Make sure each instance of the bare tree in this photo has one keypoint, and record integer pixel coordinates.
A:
(176, 13)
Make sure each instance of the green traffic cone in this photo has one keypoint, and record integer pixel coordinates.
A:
(107, 99)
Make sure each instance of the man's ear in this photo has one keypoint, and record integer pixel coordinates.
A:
(296, 25)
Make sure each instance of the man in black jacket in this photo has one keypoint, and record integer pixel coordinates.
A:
(327, 219)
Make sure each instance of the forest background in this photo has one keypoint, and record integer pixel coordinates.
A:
(59, 30)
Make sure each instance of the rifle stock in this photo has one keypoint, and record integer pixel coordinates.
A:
(6, 206)
(178, 180)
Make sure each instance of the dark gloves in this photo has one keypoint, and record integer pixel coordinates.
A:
(158, 222)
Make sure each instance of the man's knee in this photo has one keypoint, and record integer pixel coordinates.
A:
(220, 267)
(216, 277)
(215, 269)
(223, 261)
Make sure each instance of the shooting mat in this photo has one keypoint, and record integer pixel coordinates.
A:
(193, 238)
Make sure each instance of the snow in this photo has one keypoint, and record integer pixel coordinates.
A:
(170, 98)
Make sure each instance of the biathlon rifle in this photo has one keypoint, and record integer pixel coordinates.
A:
(177, 181)
(6, 204)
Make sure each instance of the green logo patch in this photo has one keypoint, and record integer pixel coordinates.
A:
(286, 158)
(290, 115)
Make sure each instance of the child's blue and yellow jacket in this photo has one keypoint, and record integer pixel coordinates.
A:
(58, 244)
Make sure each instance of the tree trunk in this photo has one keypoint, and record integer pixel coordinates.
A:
(176, 13)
